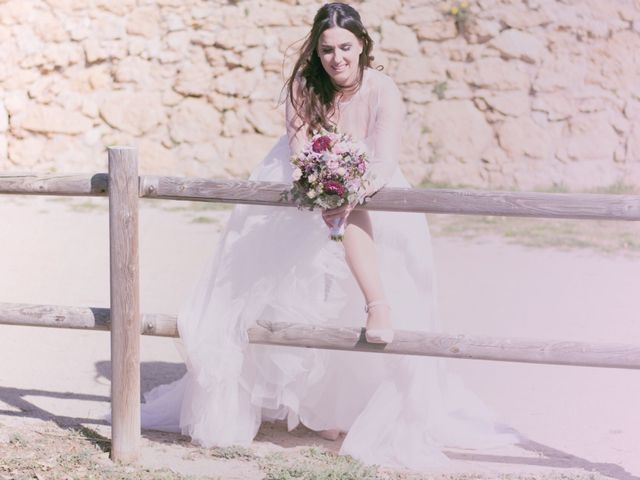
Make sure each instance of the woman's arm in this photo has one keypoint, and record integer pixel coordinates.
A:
(386, 143)
(387, 134)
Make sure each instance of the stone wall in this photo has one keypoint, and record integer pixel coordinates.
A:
(500, 93)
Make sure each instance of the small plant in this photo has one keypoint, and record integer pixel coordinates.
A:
(203, 219)
(439, 89)
(17, 439)
(461, 15)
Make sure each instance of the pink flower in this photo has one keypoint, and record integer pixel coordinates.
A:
(336, 188)
(321, 144)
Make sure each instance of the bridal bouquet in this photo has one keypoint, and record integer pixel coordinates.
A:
(328, 172)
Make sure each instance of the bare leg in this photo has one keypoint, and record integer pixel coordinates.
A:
(360, 253)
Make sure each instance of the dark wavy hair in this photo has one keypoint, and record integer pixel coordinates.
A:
(313, 98)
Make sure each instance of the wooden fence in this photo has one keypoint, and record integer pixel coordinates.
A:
(124, 186)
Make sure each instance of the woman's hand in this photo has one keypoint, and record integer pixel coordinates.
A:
(339, 214)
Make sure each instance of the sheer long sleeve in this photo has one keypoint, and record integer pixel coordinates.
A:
(386, 137)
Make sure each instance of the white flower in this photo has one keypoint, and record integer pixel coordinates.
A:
(360, 147)
(312, 178)
(311, 194)
(297, 174)
(340, 148)
(333, 164)
(341, 171)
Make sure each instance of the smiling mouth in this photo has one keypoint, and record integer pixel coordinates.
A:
(340, 68)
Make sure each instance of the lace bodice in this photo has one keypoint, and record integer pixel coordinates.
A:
(374, 114)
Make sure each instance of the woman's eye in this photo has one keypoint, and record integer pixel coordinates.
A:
(347, 48)
(327, 51)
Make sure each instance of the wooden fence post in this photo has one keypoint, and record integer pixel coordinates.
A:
(125, 304)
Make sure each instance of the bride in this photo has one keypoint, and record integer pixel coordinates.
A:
(278, 263)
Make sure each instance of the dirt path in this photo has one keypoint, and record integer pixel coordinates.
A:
(575, 419)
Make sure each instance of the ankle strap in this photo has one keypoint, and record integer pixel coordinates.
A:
(375, 303)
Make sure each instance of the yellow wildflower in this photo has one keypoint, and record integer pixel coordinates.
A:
(464, 5)
(454, 10)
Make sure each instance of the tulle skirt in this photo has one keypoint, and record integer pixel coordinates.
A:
(278, 263)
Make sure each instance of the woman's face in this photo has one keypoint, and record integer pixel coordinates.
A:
(339, 51)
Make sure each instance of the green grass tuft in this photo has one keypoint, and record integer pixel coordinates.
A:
(617, 188)
(203, 219)
(235, 452)
(315, 464)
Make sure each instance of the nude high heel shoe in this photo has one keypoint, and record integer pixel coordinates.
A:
(378, 335)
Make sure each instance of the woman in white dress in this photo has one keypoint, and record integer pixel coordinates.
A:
(278, 264)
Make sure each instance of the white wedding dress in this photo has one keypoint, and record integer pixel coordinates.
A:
(277, 263)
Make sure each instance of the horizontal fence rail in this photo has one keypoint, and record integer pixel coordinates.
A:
(466, 202)
(553, 352)
(89, 318)
(92, 185)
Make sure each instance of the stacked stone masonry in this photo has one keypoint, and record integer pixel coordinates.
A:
(510, 94)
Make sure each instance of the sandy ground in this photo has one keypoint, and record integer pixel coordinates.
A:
(55, 251)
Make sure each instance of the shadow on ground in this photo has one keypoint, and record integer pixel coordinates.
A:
(152, 374)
